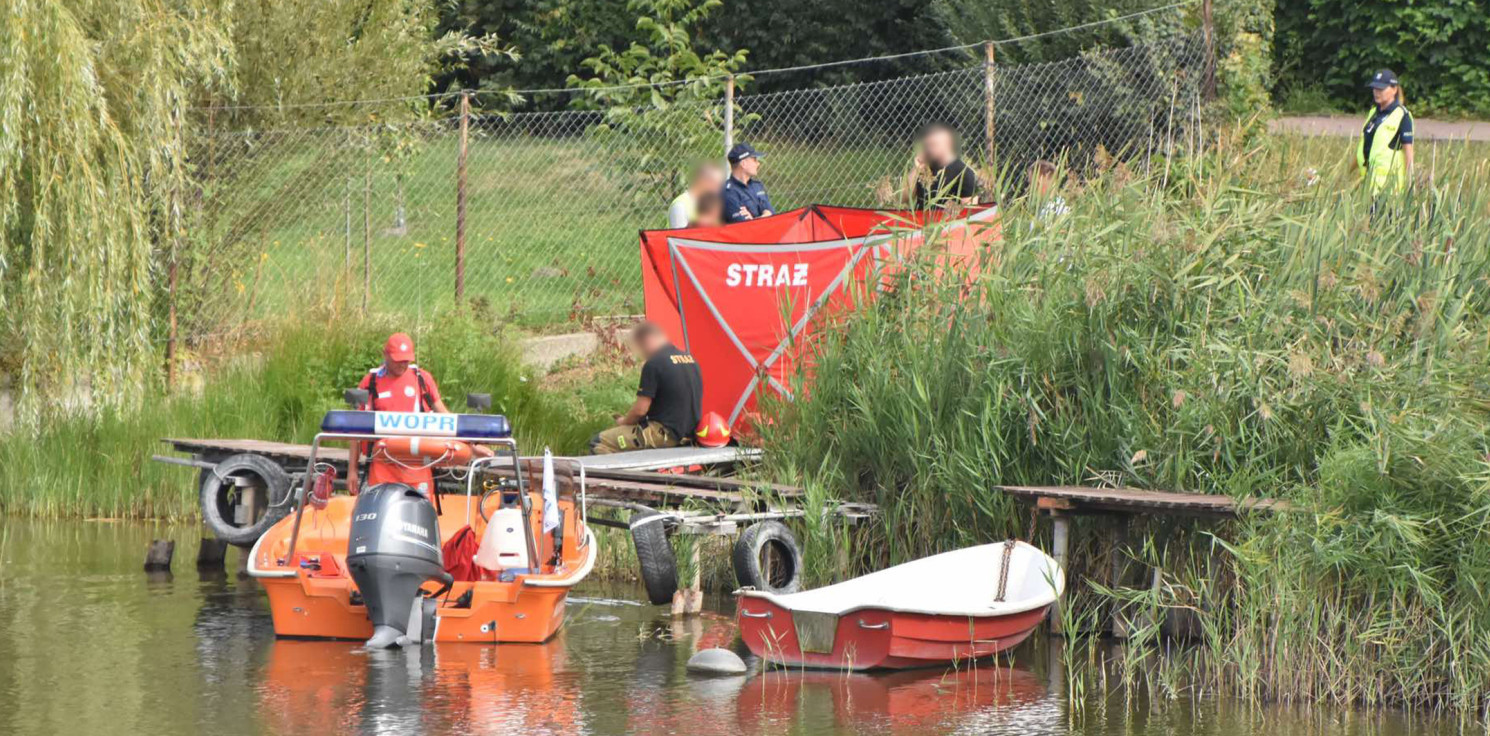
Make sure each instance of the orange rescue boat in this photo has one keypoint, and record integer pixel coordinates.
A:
(374, 566)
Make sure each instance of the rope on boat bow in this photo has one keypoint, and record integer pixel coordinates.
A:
(1004, 570)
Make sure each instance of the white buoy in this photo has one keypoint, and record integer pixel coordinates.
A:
(716, 662)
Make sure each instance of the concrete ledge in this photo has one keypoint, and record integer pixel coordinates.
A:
(544, 352)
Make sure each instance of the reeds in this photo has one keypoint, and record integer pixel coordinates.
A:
(1219, 324)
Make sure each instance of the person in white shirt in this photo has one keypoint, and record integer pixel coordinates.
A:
(708, 177)
(1043, 175)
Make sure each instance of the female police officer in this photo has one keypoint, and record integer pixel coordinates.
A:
(1384, 156)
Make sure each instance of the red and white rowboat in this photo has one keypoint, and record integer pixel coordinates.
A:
(950, 607)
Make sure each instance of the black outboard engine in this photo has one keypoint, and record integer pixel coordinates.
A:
(393, 549)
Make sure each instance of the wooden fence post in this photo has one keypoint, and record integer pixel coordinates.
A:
(729, 117)
(346, 207)
(460, 199)
(367, 227)
(988, 105)
(171, 335)
(1210, 49)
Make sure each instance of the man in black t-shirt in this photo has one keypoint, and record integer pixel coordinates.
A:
(667, 407)
(939, 177)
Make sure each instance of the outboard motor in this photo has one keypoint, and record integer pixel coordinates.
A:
(393, 549)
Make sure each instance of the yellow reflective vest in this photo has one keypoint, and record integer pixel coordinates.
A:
(1383, 166)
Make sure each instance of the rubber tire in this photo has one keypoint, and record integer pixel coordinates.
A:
(747, 556)
(213, 498)
(659, 566)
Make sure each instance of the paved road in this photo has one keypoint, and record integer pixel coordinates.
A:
(1342, 125)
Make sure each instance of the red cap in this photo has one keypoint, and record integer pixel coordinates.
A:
(399, 347)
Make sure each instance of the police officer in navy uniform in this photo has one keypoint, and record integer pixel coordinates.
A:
(744, 195)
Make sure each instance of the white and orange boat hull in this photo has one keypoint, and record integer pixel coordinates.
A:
(318, 601)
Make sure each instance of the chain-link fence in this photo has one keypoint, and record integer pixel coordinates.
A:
(371, 214)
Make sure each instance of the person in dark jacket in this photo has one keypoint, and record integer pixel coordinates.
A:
(938, 176)
(744, 195)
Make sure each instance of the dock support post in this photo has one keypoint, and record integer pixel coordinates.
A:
(689, 600)
(158, 556)
(1119, 624)
(1058, 547)
(210, 553)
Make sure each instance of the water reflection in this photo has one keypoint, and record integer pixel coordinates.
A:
(1000, 699)
(88, 644)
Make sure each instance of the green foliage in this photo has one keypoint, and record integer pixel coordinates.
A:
(671, 126)
(1437, 48)
(788, 33)
(1217, 325)
(974, 21)
(100, 465)
(556, 36)
(553, 36)
(92, 107)
(335, 50)
(99, 196)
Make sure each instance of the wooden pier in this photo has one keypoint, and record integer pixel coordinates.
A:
(1061, 503)
(633, 477)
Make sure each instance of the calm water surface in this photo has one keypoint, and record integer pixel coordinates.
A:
(91, 645)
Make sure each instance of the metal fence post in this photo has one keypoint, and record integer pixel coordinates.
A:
(729, 117)
(460, 199)
(988, 104)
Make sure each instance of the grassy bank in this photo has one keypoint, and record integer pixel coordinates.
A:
(1221, 325)
(279, 390)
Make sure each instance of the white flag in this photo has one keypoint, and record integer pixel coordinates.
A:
(550, 493)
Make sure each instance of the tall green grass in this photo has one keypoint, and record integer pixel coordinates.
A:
(1216, 324)
(99, 464)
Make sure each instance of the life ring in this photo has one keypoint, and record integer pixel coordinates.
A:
(422, 452)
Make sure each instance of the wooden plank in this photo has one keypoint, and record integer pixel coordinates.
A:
(1135, 500)
(671, 457)
(1053, 504)
(697, 481)
(630, 490)
(277, 450)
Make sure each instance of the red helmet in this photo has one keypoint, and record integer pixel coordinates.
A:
(712, 431)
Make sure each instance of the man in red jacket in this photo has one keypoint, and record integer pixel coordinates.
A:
(398, 385)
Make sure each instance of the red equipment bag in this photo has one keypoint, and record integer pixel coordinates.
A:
(460, 555)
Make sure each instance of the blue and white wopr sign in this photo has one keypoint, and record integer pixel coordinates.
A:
(425, 424)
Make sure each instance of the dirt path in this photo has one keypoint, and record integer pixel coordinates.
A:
(1341, 125)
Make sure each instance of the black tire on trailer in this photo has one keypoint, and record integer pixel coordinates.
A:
(219, 497)
(767, 557)
(659, 566)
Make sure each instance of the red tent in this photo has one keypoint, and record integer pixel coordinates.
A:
(743, 298)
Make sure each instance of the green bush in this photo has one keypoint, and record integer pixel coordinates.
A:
(1436, 47)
